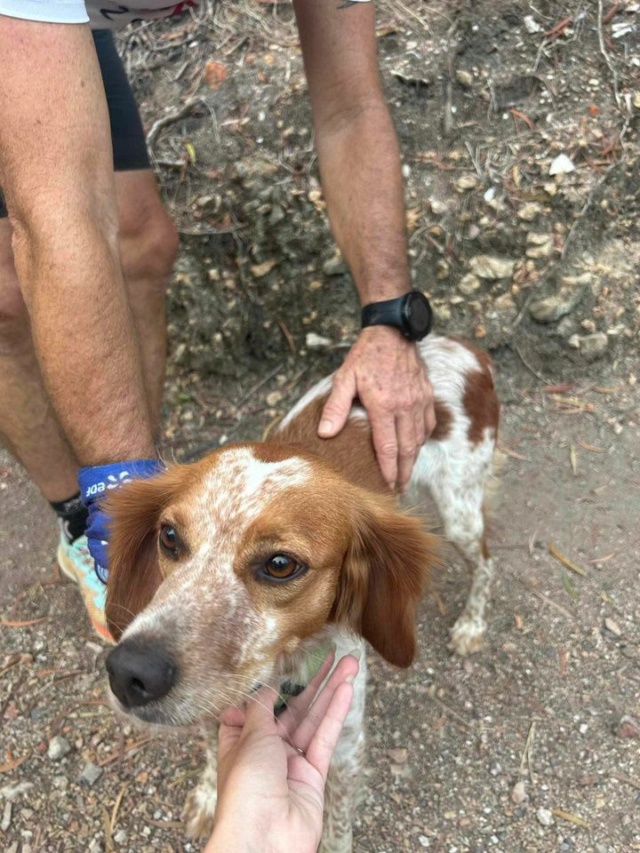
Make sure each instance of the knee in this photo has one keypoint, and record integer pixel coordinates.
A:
(148, 246)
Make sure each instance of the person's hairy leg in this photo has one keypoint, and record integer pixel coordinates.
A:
(148, 247)
(28, 425)
(57, 175)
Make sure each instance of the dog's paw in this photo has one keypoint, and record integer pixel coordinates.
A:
(199, 810)
(467, 635)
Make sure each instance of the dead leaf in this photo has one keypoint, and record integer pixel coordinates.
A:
(572, 818)
(215, 73)
(260, 270)
(592, 448)
(566, 562)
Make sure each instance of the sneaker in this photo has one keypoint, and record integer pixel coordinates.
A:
(76, 563)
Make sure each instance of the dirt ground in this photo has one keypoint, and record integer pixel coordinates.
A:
(531, 745)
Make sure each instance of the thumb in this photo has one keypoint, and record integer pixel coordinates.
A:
(336, 409)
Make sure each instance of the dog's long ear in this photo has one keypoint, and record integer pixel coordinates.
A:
(384, 575)
(134, 572)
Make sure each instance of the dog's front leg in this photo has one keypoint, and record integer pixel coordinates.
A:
(341, 798)
(344, 782)
(200, 807)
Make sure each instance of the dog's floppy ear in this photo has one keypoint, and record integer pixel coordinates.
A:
(134, 572)
(384, 575)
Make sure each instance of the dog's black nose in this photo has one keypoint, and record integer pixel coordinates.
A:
(140, 673)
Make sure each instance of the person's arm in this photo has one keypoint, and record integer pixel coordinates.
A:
(362, 182)
(57, 176)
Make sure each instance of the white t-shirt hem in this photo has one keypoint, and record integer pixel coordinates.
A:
(58, 12)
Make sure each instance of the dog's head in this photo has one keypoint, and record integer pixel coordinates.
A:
(220, 570)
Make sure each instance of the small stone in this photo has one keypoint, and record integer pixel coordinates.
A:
(529, 212)
(6, 816)
(58, 748)
(12, 792)
(442, 269)
(504, 304)
(627, 727)
(437, 207)
(555, 307)
(550, 188)
(468, 284)
(491, 267)
(612, 627)
(465, 78)
(519, 793)
(593, 346)
(531, 25)
(534, 238)
(314, 341)
(423, 841)
(561, 165)
(543, 250)
(399, 756)
(544, 817)
(273, 398)
(334, 266)
(574, 342)
(91, 773)
(466, 182)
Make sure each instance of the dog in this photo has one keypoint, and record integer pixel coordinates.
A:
(236, 570)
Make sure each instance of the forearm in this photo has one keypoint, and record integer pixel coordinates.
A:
(362, 183)
(84, 337)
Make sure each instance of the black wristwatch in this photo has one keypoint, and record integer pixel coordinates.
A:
(411, 314)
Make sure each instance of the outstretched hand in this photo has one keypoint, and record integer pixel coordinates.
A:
(386, 373)
(272, 770)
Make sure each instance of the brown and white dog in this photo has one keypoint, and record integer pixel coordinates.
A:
(229, 573)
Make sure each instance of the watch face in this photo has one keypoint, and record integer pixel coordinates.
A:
(419, 314)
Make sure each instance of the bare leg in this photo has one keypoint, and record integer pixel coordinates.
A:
(27, 422)
(148, 248)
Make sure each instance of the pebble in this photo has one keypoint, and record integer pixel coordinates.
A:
(468, 284)
(465, 78)
(6, 816)
(314, 341)
(491, 267)
(91, 773)
(544, 817)
(550, 309)
(58, 748)
(612, 627)
(561, 165)
(519, 793)
(334, 266)
(593, 346)
(12, 792)
(628, 727)
(530, 211)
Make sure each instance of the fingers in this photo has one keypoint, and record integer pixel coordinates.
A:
(385, 443)
(299, 705)
(407, 447)
(336, 409)
(323, 743)
(308, 724)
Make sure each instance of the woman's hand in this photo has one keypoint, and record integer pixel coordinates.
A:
(272, 770)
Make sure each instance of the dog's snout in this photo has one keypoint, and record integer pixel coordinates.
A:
(140, 673)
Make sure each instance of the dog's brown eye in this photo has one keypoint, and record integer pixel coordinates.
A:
(168, 540)
(280, 567)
